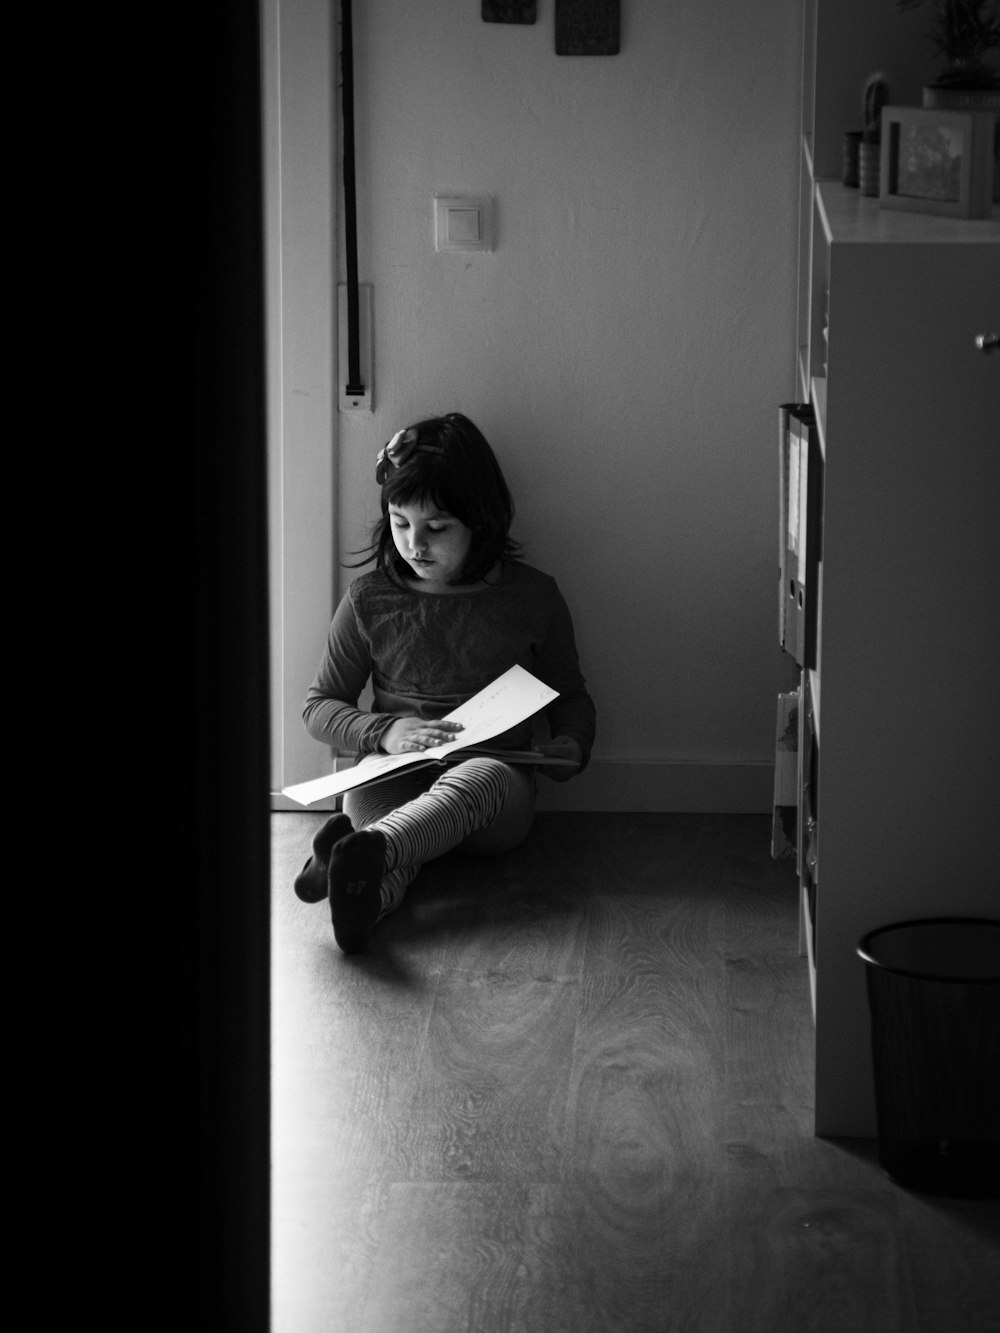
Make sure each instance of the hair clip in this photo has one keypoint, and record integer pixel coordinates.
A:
(398, 450)
(395, 453)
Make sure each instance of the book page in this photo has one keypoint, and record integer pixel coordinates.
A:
(510, 699)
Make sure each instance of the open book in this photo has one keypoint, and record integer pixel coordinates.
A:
(510, 699)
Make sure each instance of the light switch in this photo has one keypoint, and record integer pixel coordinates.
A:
(463, 222)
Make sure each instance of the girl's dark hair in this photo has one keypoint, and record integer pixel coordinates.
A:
(453, 467)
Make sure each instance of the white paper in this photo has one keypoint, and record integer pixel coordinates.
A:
(803, 508)
(511, 698)
(794, 457)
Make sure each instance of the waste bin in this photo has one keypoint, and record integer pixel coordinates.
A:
(934, 1001)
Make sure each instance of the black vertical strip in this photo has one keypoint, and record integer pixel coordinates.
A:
(191, 1044)
(354, 384)
(224, 831)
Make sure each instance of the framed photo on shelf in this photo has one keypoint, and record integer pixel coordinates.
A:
(937, 161)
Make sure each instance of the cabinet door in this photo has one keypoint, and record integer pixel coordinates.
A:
(910, 622)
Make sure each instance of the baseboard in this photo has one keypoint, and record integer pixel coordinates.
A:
(730, 789)
(669, 788)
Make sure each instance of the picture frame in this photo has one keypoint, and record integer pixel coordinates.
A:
(937, 161)
(509, 11)
(588, 27)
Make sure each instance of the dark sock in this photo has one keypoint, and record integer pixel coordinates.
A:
(311, 883)
(356, 868)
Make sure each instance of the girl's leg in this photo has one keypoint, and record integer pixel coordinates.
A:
(366, 806)
(513, 823)
(312, 881)
(361, 808)
(481, 805)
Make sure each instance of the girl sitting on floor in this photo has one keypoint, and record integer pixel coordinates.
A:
(447, 609)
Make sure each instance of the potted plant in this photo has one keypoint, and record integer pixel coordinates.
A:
(964, 32)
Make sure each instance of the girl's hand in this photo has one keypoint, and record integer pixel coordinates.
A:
(562, 747)
(409, 734)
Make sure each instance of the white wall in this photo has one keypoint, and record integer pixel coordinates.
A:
(299, 98)
(625, 348)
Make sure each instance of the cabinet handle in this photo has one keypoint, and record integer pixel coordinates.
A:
(987, 342)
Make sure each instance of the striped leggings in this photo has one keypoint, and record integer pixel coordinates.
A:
(482, 806)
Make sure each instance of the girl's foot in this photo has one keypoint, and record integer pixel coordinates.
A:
(311, 883)
(356, 868)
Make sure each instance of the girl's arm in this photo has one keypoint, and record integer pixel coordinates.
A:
(571, 717)
(331, 712)
(562, 747)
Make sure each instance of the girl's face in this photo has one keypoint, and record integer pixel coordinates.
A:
(433, 544)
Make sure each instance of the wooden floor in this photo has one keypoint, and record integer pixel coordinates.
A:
(570, 1091)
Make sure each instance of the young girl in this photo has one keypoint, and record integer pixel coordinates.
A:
(447, 609)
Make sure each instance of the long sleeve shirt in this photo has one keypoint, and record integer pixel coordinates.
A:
(426, 653)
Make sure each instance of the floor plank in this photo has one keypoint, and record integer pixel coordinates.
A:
(571, 1089)
(823, 1260)
(490, 1097)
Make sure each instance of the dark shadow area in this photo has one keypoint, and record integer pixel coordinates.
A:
(981, 1216)
(190, 1031)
